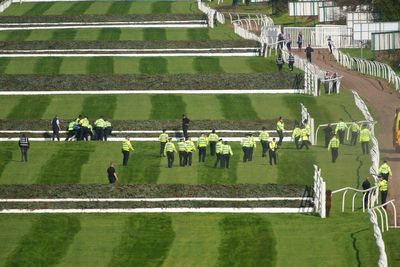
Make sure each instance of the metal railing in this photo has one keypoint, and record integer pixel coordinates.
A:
(381, 211)
(371, 194)
(319, 193)
(305, 115)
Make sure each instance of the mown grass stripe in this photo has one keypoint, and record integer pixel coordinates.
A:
(139, 171)
(237, 107)
(78, 8)
(198, 34)
(18, 35)
(47, 242)
(32, 107)
(167, 107)
(48, 65)
(154, 34)
(5, 157)
(260, 65)
(153, 65)
(120, 8)
(207, 65)
(246, 241)
(109, 34)
(100, 65)
(4, 61)
(65, 165)
(38, 9)
(145, 241)
(161, 7)
(292, 103)
(100, 105)
(68, 34)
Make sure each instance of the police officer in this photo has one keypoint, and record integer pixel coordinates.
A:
(280, 127)
(273, 146)
(334, 147)
(190, 148)
(107, 129)
(264, 136)
(383, 188)
(169, 151)
(355, 130)
(253, 146)
(126, 149)
(24, 146)
(246, 144)
(226, 155)
(279, 62)
(365, 137)
(305, 140)
(291, 61)
(218, 150)
(296, 135)
(78, 128)
(163, 138)
(84, 131)
(99, 126)
(340, 130)
(385, 171)
(55, 125)
(202, 143)
(71, 130)
(182, 152)
(328, 133)
(213, 139)
(185, 125)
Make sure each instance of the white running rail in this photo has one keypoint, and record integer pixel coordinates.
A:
(381, 211)
(305, 115)
(371, 195)
(319, 193)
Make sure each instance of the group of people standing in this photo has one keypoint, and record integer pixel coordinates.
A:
(81, 129)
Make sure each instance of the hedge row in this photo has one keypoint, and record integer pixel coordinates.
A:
(121, 125)
(151, 191)
(212, 81)
(165, 44)
(100, 18)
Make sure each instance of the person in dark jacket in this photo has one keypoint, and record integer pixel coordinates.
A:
(185, 126)
(55, 125)
(308, 51)
(365, 186)
(24, 146)
(112, 175)
(328, 133)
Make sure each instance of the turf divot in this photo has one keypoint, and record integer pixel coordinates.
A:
(39, 9)
(246, 241)
(237, 107)
(101, 105)
(167, 107)
(109, 34)
(153, 66)
(100, 65)
(154, 34)
(65, 165)
(48, 65)
(145, 241)
(161, 7)
(30, 107)
(47, 242)
(207, 65)
(68, 34)
(78, 8)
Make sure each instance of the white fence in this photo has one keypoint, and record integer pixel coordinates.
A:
(306, 8)
(385, 41)
(319, 193)
(369, 197)
(368, 67)
(330, 13)
(382, 262)
(358, 17)
(305, 115)
(5, 4)
(363, 31)
(208, 11)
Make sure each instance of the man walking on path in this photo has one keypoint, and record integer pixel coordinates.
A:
(340, 130)
(365, 137)
(163, 138)
(112, 175)
(385, 171)
(55, 125)
(169, 151)
(334, 148)
(24, 146)
(126, 149)
(185, 126)
(308, 51)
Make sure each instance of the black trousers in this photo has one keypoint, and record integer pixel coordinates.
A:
(170, 159)
(327, 139)
(290, 66)
(225, 161)
(366, 194)
(264, 145)
(56, 134)
(70, 134)
(217, 160)
(212, 148)
(383, 197)
(83, 134)
(251, 151)
(185, 131)
(308, 58)
(304, 143)
(335, 154)
(182, 158)
(296, 142)
(202, 154)
(385, 176)
(188, 159)
(354, 136)
(246, 151)
(99, 133)
(162, 146)
(279, 67)
(107, 132)
(24, 153)
(272, 157)
(280, 134)
(125, 158)
(365, 147)
(341, 136)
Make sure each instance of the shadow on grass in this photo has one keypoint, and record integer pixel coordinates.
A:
(120, 8)
(100, 105)
(38, 9)
(78, 8)
(167, 107)
(32, 107)
(237, 107)
(18, 36)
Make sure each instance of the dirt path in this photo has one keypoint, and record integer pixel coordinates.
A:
(378, 95)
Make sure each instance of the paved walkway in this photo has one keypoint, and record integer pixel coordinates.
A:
(383, 100)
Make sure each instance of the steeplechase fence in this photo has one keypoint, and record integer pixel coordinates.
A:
(372, 68)
(319, 189)
(305, 115)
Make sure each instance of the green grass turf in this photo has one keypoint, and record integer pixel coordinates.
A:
(154, 65)
(15, 36)
(356, 52)
(48, 64)
(96, 106)
(154, 34)
(199, 107)
(101, 8)
(46, 242)
(191, 240)
(108, 34)
(68, 34)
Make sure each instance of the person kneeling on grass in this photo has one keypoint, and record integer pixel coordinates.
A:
(112, 175)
